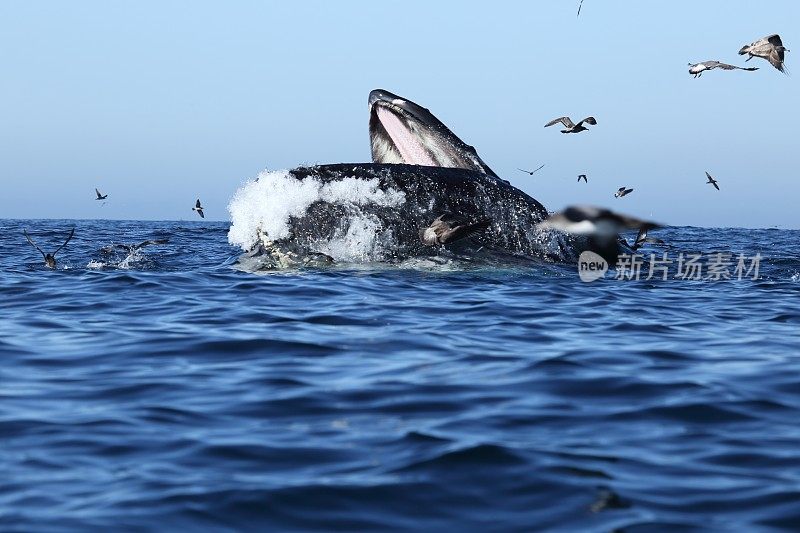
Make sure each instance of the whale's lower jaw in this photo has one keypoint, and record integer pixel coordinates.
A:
(362, 213)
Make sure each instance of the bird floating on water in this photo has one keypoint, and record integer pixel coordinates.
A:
(49, 259)
(199, 208)
(531, 172)
(100, 196)
(698, 68)
(582, 177)
(571, 127)
(131, 247)
(448, 228)
(622, 191)
(770, 48)
(712, 181)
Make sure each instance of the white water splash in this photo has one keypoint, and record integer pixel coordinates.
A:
(265, 204)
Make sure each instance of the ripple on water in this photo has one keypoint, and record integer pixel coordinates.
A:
(182, 393)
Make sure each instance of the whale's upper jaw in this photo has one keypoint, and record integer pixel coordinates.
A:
(401, 131)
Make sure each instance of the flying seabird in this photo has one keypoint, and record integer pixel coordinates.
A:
(49, 259)
(622, 191)
(131, 247)
(199, 208)
(100, 196)
(570, 126)
(698, 68)
(712, 181)
(770, 48)
(601, 226)
(531, 172)
(579, 9)
(448, 228)
(591, 220)
(582, 177)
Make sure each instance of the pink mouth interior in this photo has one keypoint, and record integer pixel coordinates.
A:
(412, 152)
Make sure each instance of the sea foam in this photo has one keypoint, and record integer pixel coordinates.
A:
(266, 203)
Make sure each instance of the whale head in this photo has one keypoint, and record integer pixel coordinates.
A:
(401, 131)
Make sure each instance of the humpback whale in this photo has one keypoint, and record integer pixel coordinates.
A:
(421, 171)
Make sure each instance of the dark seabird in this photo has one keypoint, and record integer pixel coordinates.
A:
(770, 48)
(570, 126)
(131, 247)
(601, 226)
(199, 208)
(712, 181)
(100, 196)
(642, 238)
(531, 172)
(698, 68)
(49, 259)
(622, 191)
(582, 177)
(448, 228)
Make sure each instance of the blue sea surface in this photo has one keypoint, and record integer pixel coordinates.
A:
(171, 389)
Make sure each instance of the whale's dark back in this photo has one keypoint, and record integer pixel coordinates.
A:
(429, 192)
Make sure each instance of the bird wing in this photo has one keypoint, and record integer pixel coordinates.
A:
(149, 242)
(628, 191)
(531, 172)
(723, 66)
(71, 233)
(579, 9)
(33, 243)
(200, 211)
(775, 57)
(197, 204)
(111, 247)
(714, 183)
(566, 121)
(588, 120)
(465, 230)
(774, 40)
(98, 192)
(641, 238)
(579, 213)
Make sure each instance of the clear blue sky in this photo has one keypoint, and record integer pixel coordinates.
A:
(157, 103)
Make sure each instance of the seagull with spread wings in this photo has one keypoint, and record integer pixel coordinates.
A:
(531, 172)
(770, 48)
(199, 208)
(49, 259)
(131, 247)
(571, 127)
(698, 68)
(601, 226)
(712, 181)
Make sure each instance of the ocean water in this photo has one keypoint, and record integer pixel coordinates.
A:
(172, 389)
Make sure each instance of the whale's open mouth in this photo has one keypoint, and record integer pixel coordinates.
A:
(403, 132)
